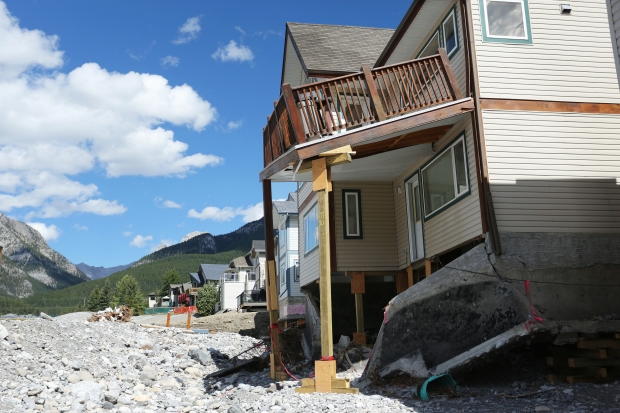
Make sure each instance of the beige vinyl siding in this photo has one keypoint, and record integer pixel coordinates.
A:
(571, 58)
(293, 70)
(458, 224)
(413, 42)
(309, 264)
(376, 251)
(303, 192)
(554, 172)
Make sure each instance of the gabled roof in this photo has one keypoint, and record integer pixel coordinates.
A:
(193, 276)
(258, 245)
(240, 262)
(334, 50)
(212, 272)
(287, 207)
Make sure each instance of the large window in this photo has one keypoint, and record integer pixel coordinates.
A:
(445, 178)
(505, 21)
(352, 213)
(311, 229)
(446, 36)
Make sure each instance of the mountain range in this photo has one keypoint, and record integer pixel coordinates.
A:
(94, 273)
(29, 265)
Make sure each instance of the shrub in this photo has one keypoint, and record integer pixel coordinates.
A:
(206, 299)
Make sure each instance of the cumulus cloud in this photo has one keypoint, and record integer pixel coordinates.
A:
(188, 31)
(232, 125)
(233, 52)
(80, 227)
(251, 213)
(240, 30)
(54, 125)
(140, 241)
(49, 233)
(170, 204)
(127, 233)
(169, 61)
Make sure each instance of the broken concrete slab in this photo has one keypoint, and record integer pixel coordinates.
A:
(412, 364)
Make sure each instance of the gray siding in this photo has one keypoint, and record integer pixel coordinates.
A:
(571, 58)
(554, 172)
(377, 250)
(293, 70)
(615, 23)
(309, 264)
(454, 226)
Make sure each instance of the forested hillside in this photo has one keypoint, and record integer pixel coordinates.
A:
(149, 277)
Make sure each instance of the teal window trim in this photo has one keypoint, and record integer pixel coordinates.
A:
(457, 198)
(359, 214)
(440, 33)
(309, 251)
(452, 13)
(497, 39)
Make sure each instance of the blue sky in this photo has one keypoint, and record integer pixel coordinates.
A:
(124, 125)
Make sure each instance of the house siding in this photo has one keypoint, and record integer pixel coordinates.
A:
(294, 290)
(545, 70)
(376, 251)
(293, 233)
(309, 263)
(615, 23)
(412, 43)
(293, 70)
(454, 226)
(550, 173)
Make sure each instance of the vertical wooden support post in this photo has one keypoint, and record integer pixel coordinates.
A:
(189, 320)
(293, 113)
(271, 285)
(322, 185)
(429, 268)
(374, 94)
(0, 255)
(409, 276)
(358, 287)
(168, 319)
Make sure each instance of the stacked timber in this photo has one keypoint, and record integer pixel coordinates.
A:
(592, 359)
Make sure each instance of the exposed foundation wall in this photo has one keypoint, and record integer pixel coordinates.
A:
(554, 172)
(454, 226)
(377, 249)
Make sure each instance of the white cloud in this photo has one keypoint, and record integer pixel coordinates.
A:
(80, 227)
(232, 52)
(169, 61)
(240, 30)
(54, 125)
(188, 31)
(49, 233)
(266, 33)
(232, 125)
(251, 213)
(140, 241)
(170, 204)
(127, 234)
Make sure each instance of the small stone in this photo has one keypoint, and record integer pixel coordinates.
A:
(123, 400)
(107, 405)
(142, 398)
(200, 356)
(73, 378)
(170, 382)
(4, 333)
(22, 372)
(85, 376)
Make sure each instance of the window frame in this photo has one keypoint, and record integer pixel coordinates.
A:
(486, 37)
(296, 272)
(315, 208)
(462, 137)
(282, 275)
(437, 33)
(345, 216)
(451, 13)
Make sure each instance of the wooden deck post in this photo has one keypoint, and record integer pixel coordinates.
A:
(429, 267)
(358, 287)
(374, 94)
(271, 285)
(293, 113)
(409, 276)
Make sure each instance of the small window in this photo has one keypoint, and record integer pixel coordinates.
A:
(445, 178)
(431, 46)
(296, 269)
(282, 275)
(506, 21)
(352, 213)
(450, 36)
(311, 229)
(282, 237)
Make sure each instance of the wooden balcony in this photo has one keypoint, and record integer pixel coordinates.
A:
(342, 104)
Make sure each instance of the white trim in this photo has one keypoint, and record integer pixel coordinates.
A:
(428, 43)
(456, 28)
(525, 27)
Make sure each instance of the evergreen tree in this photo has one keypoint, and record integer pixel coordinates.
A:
(206, 299)
(105, 298)
(127, 292)
(93, 300)
(170, 277)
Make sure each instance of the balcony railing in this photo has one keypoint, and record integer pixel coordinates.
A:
(336, 105)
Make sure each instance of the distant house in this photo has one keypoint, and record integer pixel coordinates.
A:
(207, 273)
(152, 300)
(258, 257)
(180, 294)
(286, 223)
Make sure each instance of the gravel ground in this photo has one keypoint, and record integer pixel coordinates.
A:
(76, 366)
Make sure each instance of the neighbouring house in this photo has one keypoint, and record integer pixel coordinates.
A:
(258, 296)
(451, 168)
(238, 280)
(207, 273)
(152, 298)
(181, 294)
(292, 302)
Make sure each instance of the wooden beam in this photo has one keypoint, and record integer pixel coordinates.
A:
(549, 106)
(401, 282)
(409, 276)
(340, 159)
(403, 141)
(293, 113)
(429, 268)
(322, 184)
(337, 151)
(359, 313)
(453, 84)
(374, 94)
(358, 282)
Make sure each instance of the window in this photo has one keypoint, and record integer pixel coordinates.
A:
(431, 46)
(311, 229)
(445, 178)
(446, 36)
(352, 214)
(282, 236)
(296, 269)
(282, 275)
(505, 21)
(450, 36)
